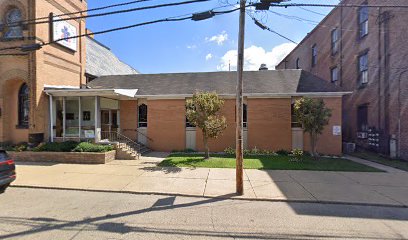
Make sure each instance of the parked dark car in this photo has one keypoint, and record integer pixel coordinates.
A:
(7, 171)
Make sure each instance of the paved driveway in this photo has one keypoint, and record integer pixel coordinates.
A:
(143, 176)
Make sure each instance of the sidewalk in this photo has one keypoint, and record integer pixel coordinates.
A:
(143, 176)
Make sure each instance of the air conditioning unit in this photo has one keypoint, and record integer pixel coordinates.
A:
(349, 147)
(362, 135)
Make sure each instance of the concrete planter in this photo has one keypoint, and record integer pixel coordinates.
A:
(64, 157)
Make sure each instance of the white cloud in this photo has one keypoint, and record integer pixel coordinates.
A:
(255, 56)
(208, 57)
(219, 39)
(191, 46)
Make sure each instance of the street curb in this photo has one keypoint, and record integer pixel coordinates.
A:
(227, 197)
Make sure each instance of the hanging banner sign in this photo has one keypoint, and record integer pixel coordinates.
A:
(62, 30)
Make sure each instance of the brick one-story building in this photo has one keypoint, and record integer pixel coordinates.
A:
(60, 93)
(151, 108)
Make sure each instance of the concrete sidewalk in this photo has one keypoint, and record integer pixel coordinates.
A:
(143, 176)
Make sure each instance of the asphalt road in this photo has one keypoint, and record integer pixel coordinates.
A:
(59, 214)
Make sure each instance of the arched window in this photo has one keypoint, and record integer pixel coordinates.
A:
(13, 21)
(23, 106)
(245, 117)
(297, 63)
(142, 115)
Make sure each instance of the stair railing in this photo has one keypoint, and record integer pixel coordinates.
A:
(129, 144)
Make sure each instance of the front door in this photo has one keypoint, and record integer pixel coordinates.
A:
(297, 138)
(109, 120)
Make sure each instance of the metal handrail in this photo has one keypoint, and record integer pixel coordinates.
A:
(118, 137)
(150, 139)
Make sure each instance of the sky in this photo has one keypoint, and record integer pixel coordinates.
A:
(204, 46)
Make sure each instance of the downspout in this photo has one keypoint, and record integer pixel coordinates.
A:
(387, 83)
(399, 113)
(379, 67)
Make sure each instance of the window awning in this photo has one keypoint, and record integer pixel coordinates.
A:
(118, 94)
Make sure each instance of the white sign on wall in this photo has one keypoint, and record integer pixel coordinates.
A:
(62, 30)
(89, 133)
(336, 130)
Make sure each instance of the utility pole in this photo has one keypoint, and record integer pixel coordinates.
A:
(239, 103)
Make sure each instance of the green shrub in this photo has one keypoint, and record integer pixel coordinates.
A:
(255, 151)
(21, 147)
(230, 150)
(56, 147)
(90, 147)
(283, 152)
(297, 155)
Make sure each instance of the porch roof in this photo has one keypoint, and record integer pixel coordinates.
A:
(118, 94)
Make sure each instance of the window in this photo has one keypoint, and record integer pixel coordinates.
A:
(23, 106)
(362, 118)
(335, 41)
(363, 20)
(334, 74)
(188, 124)
(363, 69)
(142, 115)
(295, 122)
(297, 63)
(245, 116)
(13, 19)
(314, 55)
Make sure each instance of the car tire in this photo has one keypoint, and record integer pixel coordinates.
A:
(3, 188)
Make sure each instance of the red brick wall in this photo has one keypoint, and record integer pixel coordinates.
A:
(128, 118)
(227, 138)
(166, 124)
(269, 124)
(327, 142)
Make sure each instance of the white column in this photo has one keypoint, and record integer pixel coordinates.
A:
(51, 120)
(97, 120)
(63, 119)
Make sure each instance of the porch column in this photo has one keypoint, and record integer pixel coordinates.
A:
(51, 120)
(97, 119)
(63, 119)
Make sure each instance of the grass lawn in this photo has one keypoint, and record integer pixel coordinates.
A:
(265, 162)
(396, 163)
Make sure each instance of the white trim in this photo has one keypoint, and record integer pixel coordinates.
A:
(250, 95)
(51, 120)
(60, 86)
(118, 94)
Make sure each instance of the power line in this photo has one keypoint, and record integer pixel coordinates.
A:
(262, 26)
(334, 5)
(169, 19)
(117, 12)
(88, 10)
(317, 13)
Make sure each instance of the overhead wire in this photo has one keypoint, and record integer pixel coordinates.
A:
(88, 10)
(113, 12)
(169, 19)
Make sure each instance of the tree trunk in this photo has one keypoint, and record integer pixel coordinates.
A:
(207, 150)
(313, 140)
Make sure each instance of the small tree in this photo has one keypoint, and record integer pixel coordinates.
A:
(314, 116)
(202, 111)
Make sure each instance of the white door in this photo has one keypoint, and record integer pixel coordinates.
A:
(297, 138)
(142, 135)
(191, 138)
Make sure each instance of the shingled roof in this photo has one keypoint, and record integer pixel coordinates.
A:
(101, 61)
(224, 83)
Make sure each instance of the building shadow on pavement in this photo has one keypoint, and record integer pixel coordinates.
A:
(111, 223)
